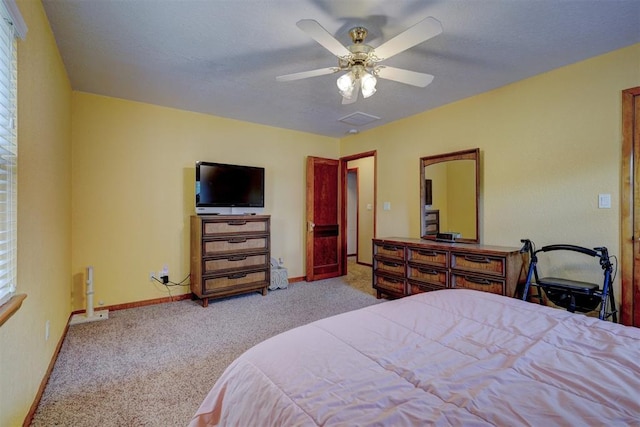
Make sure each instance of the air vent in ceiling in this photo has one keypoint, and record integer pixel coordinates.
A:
(358, 119)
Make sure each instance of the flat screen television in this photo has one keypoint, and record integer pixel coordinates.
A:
(220, 185)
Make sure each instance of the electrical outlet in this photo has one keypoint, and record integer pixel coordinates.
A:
(47, 326)
(165, 270)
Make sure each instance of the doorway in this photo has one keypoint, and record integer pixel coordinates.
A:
(360, 206)
(352, 212)
(326, 241)
(630, 208)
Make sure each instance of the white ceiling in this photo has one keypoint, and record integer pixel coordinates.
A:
(221, 57)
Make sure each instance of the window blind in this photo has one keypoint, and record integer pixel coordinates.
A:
(8, 155)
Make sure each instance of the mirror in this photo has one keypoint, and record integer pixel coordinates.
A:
(449, 195)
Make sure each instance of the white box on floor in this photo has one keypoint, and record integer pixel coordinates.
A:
(279, 278)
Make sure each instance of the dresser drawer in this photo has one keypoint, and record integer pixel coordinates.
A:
(211, 284)
(388, 250)
(478, 263)
(420, 287)
(232, 262)
(479, 283)
(431, 216)
(431, 228)
(425, 273)
(436, 258)
(393, 285)
(230, 226)
(388, 266)
(234, 244)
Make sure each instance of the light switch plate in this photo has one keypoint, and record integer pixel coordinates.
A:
(604, 201)
(386, 206)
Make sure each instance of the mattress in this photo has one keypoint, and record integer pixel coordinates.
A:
(449, 357)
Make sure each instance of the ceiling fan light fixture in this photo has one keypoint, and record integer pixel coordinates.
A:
(368, 85)
(348, 94)
(346, 83)
(360, 61)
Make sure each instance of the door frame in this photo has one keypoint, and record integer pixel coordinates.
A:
(343, 197)
(630, 210)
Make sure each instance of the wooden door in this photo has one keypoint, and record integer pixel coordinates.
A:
(630, 208)
(324, 231)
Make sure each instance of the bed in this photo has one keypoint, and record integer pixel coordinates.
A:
(449, 357)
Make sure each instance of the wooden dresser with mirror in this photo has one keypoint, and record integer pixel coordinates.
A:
(449, 199)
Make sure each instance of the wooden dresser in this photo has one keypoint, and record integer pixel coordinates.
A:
(403, 266)
(432, 222)
(230, 254)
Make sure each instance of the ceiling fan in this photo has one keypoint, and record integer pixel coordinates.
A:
(362, 62)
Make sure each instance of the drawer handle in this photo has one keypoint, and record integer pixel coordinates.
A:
(430, 272)
(477, 280)
(237, 276)
(391, 264)
(389, 248)
(428, 253)
(237, 258)
(392, 280)
(476, 258)
(237, 240)
(237, 222)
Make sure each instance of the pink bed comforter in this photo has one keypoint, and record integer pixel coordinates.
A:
(451, 357)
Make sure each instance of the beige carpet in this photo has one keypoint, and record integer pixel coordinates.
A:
(359, 276)
(152, 366)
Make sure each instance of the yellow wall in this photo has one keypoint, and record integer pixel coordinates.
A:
(44, 217)
(548, 145)
(133, 178)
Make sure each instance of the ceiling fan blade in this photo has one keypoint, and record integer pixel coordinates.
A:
(354, 96)
(423, 30)
(322, 36)
(404, 76)
(306, 74)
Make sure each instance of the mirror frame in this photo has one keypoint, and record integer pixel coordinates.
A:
(472, 154)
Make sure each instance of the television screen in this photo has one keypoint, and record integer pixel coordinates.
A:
(222, 185)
